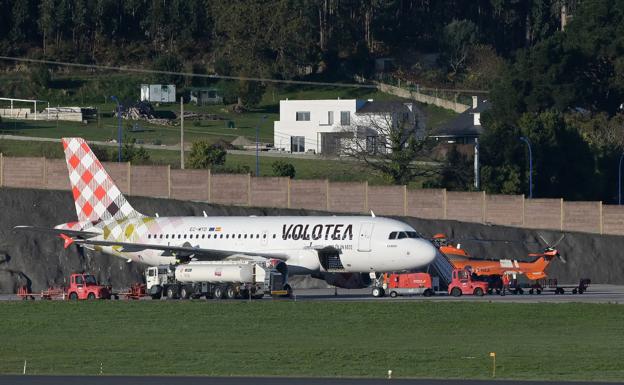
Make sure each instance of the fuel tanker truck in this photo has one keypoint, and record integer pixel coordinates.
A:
(214, 279)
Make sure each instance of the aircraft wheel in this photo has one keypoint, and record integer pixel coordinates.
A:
(393, 294)
(456, 292)
(478, 292)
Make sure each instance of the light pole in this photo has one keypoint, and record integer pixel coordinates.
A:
(526, 140)
(114, 98)
(620, 180)
(257, 145)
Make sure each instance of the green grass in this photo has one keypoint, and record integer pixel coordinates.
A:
(333, 170)
(422, 339)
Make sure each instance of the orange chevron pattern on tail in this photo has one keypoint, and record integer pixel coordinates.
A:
(95, 194)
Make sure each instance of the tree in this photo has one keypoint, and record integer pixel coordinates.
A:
(40, 76)
(131, 153)
(205, 155)
(169, 63)
(457, 39)
(283, 168)
(457, 174)
(390, 143)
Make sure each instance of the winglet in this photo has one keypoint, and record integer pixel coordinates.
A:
(67, 241)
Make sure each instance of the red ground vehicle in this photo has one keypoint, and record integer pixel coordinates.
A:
(462, 283)
(85, 286)
(407, 283)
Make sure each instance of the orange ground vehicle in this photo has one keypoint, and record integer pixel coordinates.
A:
(85, 286)
(463, 283)
(407, 284)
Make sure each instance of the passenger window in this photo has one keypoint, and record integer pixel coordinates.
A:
(221, 236)
(203, 236)
(245, 236)
(227, 236)
(273, 236)
(264, 236)
(393, 235)
(402, 235)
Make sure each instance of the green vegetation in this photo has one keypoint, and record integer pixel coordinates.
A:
(422, 339)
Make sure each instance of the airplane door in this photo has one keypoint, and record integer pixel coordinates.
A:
(364, 240)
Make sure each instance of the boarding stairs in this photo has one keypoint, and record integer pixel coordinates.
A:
(443, 267)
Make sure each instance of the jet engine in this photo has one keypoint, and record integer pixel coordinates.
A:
(347, 280)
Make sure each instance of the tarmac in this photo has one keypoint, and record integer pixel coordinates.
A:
(608, 294)
(170, 380)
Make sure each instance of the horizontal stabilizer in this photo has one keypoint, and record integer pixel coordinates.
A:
(48, 230)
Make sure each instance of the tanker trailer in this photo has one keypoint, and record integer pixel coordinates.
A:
(214, 279)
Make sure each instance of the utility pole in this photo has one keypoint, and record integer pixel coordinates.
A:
(476, 164)
(182, 133)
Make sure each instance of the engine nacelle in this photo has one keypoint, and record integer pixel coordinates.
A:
(347, 280)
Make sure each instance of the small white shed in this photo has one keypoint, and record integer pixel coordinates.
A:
(158, 93)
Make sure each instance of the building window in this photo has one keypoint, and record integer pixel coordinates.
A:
(303, 116)
(297, 144)
(345, 118)
(330, 118)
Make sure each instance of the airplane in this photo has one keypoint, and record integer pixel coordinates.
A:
(533, 270)
(343, 250)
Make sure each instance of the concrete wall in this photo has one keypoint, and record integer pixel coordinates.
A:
(149, 181)
(346, 197)
(465, 206)
(387, 200)
(230, 189)
(269, 192)
(308, 194)
(190, 185)
(428, 99)
(543, 213)
(507, 210)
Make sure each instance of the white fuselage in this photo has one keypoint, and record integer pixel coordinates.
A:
(363, 242)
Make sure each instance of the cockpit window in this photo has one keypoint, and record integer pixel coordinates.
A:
(403, 235)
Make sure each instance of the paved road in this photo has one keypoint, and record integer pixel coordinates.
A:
(153, 380)
(597, 294)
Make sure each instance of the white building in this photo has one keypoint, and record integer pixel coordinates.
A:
(158, 93)
(323, 126)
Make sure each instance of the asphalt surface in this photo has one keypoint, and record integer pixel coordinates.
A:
(613, 294)
(164, 380)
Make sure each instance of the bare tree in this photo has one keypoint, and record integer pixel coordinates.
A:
(389, 142)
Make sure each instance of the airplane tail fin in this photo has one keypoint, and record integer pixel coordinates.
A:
(95, 194)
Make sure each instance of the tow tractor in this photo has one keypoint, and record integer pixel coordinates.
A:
(462, 283)
(81, 286)
(396, 284)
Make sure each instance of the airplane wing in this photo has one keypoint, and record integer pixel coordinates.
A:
(181, 251)
(48, 230)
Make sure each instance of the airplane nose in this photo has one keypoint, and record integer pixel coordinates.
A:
(425, 251)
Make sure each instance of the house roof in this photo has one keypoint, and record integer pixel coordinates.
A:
(382, 106)
(463, 125)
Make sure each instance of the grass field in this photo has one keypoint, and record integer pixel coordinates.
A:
(333, 170)
(423, 339)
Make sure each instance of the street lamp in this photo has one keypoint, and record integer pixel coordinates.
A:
(257, 144)
(114, 98)
(620, 180)
(526, 140)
